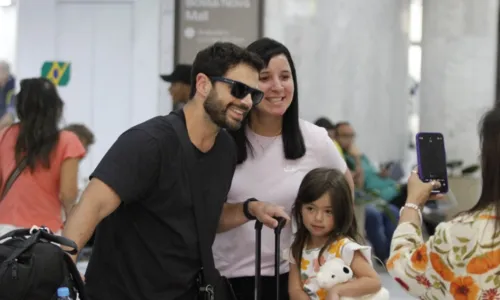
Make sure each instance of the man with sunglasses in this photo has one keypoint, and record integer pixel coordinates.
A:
(148, 238)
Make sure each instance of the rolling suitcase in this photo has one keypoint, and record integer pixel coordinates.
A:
(277, 256)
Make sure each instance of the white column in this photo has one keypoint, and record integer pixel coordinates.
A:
(166, 39)
(351, 58)
(115, 82)
(36, 29)
(458, 71)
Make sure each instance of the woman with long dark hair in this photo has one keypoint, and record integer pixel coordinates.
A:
(276, 149)
(462, 259)
(46, 157)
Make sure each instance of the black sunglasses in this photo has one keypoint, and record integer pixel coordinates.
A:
(240, 90)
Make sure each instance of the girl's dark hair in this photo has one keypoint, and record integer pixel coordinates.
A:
(490, 163)
(314, 185)
(39, 110)
(293, 141)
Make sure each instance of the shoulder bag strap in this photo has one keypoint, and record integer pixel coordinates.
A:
(13, 176)
(210, 273)
(15, 173)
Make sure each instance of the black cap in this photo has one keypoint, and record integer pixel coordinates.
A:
(181, 73)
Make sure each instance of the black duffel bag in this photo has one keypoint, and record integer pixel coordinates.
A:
(33, 267)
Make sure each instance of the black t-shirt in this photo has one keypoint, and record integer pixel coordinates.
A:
(148, 248)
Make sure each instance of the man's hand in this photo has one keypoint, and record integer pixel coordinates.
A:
(354, 151)
(265, 212)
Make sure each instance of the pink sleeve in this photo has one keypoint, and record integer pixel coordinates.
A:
(71, 147)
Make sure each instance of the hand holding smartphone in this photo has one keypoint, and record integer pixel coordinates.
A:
(431, 158)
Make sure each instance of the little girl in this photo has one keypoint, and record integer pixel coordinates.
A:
(326, 228)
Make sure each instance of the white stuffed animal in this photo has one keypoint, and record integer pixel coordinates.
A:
(335, 271)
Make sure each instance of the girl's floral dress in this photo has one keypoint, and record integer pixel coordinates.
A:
(461, 261)
(309, 266)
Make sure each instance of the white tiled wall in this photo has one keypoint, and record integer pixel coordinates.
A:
(458, 71)
(351, 58)
(8, 27)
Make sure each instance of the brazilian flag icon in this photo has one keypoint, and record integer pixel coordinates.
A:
(59, 72)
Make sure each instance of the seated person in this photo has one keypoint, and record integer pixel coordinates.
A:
(381, 220)
(367, 175)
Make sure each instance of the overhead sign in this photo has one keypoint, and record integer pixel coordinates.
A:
(200, 23)
(59, 72)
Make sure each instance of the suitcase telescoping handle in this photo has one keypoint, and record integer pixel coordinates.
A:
(277, 256)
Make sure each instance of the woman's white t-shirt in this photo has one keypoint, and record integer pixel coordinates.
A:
(268, 176)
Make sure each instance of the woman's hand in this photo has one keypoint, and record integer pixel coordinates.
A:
(419, 192)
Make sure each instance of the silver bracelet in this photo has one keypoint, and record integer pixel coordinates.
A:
(412, 206)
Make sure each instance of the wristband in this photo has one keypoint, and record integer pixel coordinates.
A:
(412, 206)
(246, 212)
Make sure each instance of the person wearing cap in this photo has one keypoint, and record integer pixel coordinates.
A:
(180, 83)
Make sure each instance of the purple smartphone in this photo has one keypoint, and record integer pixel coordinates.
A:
(431, 158)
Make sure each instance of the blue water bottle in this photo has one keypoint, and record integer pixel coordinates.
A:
(63, 294)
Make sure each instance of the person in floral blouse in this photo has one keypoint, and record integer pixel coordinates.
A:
(462, 259)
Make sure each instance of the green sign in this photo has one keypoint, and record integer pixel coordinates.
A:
(59, 72)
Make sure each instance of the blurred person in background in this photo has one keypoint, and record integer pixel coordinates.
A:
(46, 158)
(462, 259)
(380, 218)
(7, 95)
(330, 128)
(365, 173)
(83, 133)
(180, 84)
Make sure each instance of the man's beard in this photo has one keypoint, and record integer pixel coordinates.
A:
(217, 112)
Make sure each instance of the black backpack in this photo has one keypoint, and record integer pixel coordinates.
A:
(32, 267)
